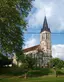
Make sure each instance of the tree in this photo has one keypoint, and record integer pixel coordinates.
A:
(28, 64)
(57, 63)
(12, 24)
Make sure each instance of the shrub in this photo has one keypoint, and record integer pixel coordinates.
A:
(11, 71)
(39, 72)
(58, 72)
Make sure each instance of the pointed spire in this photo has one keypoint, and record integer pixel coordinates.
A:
(45, 26)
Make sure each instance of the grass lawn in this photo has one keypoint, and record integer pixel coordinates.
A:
(36, 79)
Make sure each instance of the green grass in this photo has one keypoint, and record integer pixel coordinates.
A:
(36, 79)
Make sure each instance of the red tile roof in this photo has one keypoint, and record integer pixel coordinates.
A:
(31, 48)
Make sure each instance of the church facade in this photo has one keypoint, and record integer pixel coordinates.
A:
(43, 51)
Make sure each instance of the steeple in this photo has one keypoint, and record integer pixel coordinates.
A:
(45, 26)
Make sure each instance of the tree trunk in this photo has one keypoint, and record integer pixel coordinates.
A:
(25, 75)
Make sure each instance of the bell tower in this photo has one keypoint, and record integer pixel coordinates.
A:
(45, 40)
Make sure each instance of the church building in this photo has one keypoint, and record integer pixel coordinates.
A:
(43, 51)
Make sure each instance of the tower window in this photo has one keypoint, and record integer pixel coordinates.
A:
(47, 35)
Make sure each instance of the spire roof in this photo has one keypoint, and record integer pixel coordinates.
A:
(45, 26)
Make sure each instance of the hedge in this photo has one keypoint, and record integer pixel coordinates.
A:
(39, 72)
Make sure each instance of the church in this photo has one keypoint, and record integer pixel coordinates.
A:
(43, 51)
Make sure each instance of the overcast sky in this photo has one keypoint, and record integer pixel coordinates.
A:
(54, 11)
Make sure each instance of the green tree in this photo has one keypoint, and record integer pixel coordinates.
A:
(12, 24)
(28, 63)
(57, 63)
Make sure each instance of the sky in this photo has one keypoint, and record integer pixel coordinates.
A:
(54, 11)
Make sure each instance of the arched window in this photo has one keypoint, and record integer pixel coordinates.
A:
(47, 36)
